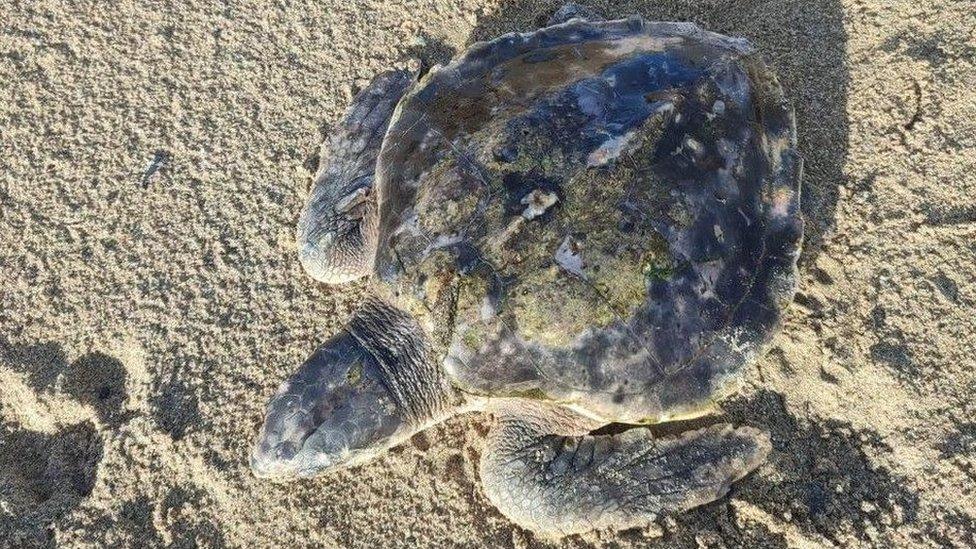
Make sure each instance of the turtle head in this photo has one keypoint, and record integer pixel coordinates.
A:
(365, 390)
(336, 411)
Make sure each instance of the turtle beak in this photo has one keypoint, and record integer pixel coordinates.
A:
(282, 437)
(270, 461)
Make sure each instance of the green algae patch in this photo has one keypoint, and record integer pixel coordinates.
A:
(657, 264)
(447, 201)
(551, 307)
(472, 202)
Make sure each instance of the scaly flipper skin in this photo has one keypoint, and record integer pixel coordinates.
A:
(544, 472)
(337, 228)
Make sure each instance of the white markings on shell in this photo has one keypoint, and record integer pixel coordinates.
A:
(745, 217)
(709, 273)
(662, 107)
(718, 109)
(694, 146)
(495, 242)
(410, 224)
(442, 241)
(488, 310)
(569, 256)
(537, 202)
(608, 150)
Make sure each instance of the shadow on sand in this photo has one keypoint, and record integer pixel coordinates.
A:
(44, 475)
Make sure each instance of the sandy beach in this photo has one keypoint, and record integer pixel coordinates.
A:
(154, 158)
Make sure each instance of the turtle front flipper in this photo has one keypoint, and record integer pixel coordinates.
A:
(337, 228)
(546, 474)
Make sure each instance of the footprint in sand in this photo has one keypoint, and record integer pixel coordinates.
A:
(50, 446)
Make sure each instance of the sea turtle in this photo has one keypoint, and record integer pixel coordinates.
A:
(594, 223)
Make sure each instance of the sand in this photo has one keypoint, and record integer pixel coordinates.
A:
(146, 314)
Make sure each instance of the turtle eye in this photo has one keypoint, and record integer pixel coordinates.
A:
(355, 373)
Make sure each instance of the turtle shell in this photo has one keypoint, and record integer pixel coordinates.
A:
(603, 214)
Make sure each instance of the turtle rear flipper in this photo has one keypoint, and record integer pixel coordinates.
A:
(337, 227)
(544, 475)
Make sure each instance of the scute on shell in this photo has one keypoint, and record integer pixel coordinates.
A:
(604, 214)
